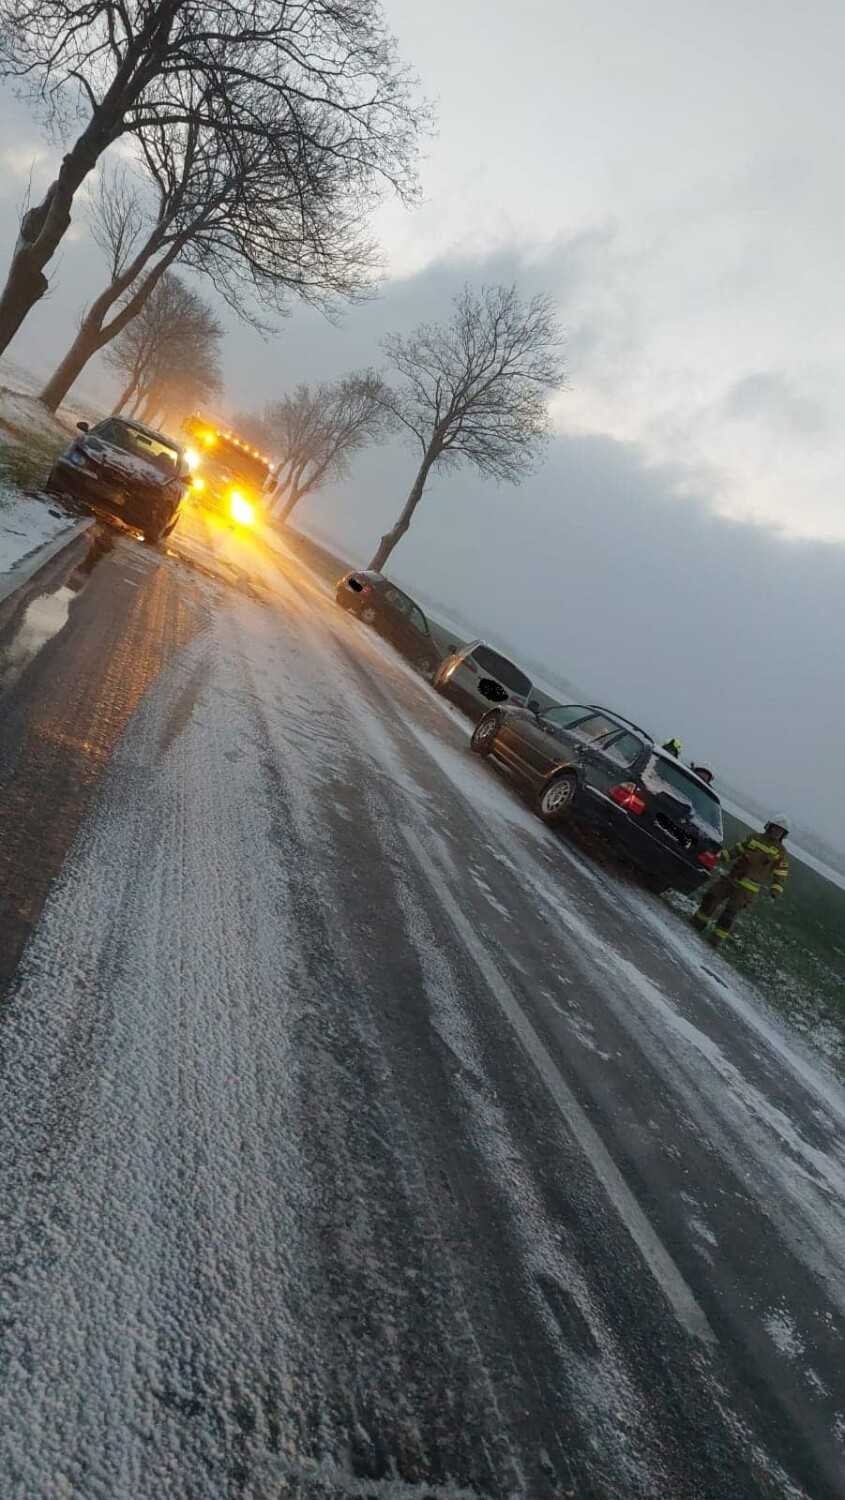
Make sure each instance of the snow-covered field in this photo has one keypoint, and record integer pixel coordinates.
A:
(360, 1138)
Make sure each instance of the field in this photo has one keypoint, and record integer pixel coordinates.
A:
(793, 951)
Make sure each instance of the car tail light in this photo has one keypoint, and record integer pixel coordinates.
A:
(627, 796)
(708, 858)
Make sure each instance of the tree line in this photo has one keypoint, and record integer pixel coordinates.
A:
(253, 138)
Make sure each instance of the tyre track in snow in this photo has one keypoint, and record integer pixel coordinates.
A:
(309, 1225)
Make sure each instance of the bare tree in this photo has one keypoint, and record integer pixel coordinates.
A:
(321, 74)
(169, 354)
(476, 390)
(318, 429)
(258, 229)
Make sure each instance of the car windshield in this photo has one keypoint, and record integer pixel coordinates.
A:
(666, 775)
(564, 714)
(499, 667)
(142, 444)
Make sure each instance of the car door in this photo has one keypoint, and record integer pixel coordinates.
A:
(419, 639)
(535, 744)
(395, 616)
(610, 760)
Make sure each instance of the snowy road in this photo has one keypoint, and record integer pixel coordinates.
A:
(359, 1137)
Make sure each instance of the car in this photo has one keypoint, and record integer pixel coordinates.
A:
(592, 766)
(378, 602)
(476, 676)
(125, 471)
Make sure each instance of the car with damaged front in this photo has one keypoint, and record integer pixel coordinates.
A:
(380, 604)
(591, 767)
(126, 472)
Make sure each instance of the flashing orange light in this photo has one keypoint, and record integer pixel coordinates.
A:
(209, 438)
(240, 509)
(198, 483)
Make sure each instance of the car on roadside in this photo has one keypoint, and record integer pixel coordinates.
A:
(476, 676)
(379, 603)
(126, 472)
(587, 765)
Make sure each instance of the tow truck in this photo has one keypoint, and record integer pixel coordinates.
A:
(229, 475)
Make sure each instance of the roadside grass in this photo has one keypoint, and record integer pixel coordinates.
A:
(30, 439)
(794, 949)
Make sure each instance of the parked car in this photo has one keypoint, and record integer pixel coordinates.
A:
(125, 471)
(477, 676)
(587, 764)
(378, 602)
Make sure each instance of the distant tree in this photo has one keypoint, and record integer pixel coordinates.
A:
(476, 390)
(316, 85)
(316, 431)
(169, 354)
(254, 428)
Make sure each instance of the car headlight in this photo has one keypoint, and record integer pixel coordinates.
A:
(76, 458)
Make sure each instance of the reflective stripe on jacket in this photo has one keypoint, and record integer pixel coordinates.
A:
(755, 861)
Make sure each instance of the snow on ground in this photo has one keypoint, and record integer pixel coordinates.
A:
(154, 1140)
(27, 523)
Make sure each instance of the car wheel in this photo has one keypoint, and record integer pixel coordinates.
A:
(368, 615)
(483, 736)
(654, 883)
(555, 800)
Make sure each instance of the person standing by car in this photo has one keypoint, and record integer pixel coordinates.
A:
(673, 747)
(757, 860)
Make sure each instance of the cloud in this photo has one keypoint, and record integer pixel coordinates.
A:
(768, 397)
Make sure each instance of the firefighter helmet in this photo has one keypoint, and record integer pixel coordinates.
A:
(780, 820)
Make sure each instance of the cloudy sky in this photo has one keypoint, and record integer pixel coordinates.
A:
(672, 172)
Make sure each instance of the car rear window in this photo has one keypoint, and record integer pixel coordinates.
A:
(664, 775)
(499, 667)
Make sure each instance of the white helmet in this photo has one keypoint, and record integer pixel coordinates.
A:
(779, 820)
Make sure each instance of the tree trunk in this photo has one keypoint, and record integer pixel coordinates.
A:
(88, 340)
(42, 231)
(293, 499)
(392, 538)
(126, 395)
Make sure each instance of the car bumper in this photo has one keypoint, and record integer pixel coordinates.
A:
(102, 497)
(679, 870)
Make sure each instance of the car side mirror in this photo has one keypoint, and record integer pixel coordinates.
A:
(83, 426)
(533, 706)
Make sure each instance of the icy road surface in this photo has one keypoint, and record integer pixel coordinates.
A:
(359, 1137)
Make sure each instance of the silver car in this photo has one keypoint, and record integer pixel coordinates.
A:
(477, 678)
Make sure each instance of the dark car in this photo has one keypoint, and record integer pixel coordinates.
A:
(125, 471)
(379, 603)
(590, 765)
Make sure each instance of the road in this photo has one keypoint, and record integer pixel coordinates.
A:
(361, 1137)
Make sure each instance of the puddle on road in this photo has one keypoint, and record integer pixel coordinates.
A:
(37, 614)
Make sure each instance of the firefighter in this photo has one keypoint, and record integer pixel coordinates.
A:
(757, 860)
(673, 746)
(703, 773)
